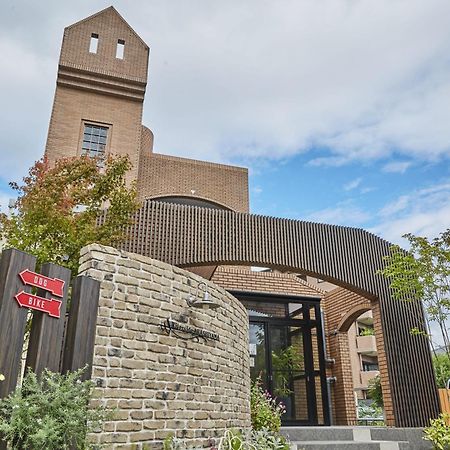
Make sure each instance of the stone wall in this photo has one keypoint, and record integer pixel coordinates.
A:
(162, 384)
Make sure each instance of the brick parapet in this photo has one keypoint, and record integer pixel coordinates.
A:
(162, 176)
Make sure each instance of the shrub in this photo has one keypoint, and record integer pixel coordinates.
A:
(441, 365)
(265, 411)
(253, 440)
(51, 412)
(439, 432)
(375, 392)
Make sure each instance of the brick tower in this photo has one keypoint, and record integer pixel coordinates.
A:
(100, 88)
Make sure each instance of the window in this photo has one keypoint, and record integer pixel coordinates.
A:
(94, 141)
(93, 45)
(369, 366)
(120, 49)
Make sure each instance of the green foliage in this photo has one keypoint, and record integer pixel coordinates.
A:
(284, 363)
(366, 411)
(265, 411)
(253, 440)
(439, 432)
(367, 332)
(237, 440)
(44, 222)
(50, 413)
(441, 365)
(375, 392)
(423, 273)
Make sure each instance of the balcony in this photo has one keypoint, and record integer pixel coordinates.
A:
(366, 345)
(367, 376)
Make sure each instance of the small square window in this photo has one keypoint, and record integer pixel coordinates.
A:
(120, 49)
(93, 44)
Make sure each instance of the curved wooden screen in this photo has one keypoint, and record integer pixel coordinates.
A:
(348, 257)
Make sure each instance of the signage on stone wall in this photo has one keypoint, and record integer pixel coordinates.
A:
(183, 331)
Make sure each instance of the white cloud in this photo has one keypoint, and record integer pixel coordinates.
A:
(425, 212)
(345, 213)
(257, 190)
(397, 167)
(352, 184)
(256, 79)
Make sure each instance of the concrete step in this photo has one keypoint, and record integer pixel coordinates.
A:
(346, 445)
(341, 437)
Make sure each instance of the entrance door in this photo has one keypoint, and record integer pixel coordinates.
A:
(281, 357)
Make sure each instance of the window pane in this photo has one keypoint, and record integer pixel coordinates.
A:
(94, 140)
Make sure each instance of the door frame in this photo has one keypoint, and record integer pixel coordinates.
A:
(307, 324)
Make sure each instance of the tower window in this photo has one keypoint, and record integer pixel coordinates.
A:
(120, 49)
(93, 45)
(94, 141)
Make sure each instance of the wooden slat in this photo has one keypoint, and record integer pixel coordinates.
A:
(444, 399)
(13, 318)
(81, 326)
(47, 333)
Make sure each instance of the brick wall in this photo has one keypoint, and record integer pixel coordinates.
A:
(342, 307)
(110, 27)
(99, 88)
(72, 106)
(162, 175)
(235, 279)
(161, 384)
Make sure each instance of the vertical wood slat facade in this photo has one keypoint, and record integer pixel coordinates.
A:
(347, 257)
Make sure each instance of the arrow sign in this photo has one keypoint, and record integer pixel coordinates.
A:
(49, 306)
(53, 285)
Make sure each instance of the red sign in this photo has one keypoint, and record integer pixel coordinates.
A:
(53, 285)
(50, 306)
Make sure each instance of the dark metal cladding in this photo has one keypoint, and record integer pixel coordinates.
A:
(348, 257)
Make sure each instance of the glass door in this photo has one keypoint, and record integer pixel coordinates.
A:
(278, 358)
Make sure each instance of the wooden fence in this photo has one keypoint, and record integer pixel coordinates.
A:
(60, 344)
(444, 398)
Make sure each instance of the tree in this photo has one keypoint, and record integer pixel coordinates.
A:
(424, 273)
(57, 210)
(375, 392)
(442, 370)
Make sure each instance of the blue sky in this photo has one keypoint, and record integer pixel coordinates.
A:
(339, 108)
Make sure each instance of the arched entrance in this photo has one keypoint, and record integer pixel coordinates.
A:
(350, 258)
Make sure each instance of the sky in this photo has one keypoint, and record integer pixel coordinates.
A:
(339, 108)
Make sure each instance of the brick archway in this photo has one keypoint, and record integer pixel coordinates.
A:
(342, 308)
(350, 258)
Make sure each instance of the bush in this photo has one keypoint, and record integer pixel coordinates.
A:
(375, 392)
(265, 411)
(441, 365)
(439, 432)
(253, 440)
(50, 413)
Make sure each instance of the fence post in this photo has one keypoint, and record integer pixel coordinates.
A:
(47, 333)
(13, 318)
(81, 326)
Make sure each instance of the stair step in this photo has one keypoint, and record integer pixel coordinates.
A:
(347, 445)
(342, 437)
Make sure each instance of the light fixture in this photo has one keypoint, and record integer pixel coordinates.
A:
(201, 301)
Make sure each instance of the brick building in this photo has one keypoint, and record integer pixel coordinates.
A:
(298, 331)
